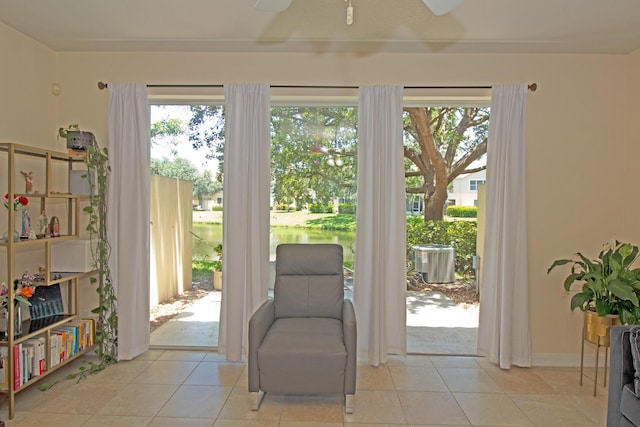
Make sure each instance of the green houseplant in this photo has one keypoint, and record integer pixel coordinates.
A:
(610, 286)
(217, 268)
(97, 162)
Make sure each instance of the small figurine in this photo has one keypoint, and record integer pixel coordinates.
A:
(28, 181)
(43, 224)
(26, 224)
(54, 227)
(32, 235)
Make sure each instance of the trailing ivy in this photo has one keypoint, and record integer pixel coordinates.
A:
(97, 162)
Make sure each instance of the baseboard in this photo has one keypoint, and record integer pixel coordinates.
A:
(568, 360)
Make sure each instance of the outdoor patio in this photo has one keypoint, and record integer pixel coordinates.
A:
(435, 325)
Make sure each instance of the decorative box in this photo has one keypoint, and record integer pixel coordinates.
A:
(72, 256)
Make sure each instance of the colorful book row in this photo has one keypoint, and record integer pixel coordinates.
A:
(30, 356)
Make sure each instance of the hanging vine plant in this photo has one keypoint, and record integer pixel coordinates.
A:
(97, 162)
(98, 169)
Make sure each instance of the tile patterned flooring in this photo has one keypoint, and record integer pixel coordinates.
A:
(199, 388)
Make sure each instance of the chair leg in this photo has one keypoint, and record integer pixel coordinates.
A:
(349, 403)
(257, 397)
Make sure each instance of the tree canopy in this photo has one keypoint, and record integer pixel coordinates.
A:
(439, 145)
(314, 150)
(203, 183)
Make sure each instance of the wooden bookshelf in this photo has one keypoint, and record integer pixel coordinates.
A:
(51, 190)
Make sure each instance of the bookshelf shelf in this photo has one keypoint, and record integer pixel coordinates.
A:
(51, 340)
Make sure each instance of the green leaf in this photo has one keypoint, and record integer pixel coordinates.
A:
(580, 301)
(623, 291)
(559, 263)
(602, 308)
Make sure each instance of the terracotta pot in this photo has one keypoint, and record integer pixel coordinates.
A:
(217, 280)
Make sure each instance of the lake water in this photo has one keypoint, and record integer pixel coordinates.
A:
(207, 236)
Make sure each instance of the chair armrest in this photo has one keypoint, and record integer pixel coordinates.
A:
(260, 322)
(350, 332)
(621, 371)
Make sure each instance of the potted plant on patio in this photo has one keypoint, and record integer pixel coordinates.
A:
(217, 268)
(610, 284)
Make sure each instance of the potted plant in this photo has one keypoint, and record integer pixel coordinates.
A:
(217, 268)
(77, 139)
(610, 286)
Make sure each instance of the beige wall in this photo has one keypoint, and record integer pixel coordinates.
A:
(27, 106)
(579, 133)
(631, 202)
(171, 241)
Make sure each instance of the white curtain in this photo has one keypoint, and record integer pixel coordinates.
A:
(503, 334)
(380, 263)
(128, 213)
(245, 250)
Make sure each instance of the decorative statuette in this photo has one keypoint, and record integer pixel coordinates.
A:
(28, 181)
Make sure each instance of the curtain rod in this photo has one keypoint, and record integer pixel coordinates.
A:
(532, 87)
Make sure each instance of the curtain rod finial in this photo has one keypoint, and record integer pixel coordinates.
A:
(533, 87)
(102, 85)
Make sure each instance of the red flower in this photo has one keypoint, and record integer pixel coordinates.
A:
(17, 201)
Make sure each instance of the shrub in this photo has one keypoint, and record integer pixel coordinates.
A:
(216, 208)
(346, 208)
(461, 235)
(320, 208)
(462, 211)
(282, 207)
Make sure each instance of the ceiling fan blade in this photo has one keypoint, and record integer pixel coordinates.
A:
(440, 7)
(272, 5)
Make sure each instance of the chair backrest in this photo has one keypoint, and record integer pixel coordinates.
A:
(309, 281)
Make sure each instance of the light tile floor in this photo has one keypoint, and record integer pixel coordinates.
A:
(199, 388)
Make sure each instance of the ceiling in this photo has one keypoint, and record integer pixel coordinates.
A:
(319, 26)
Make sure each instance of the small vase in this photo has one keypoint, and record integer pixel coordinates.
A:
(16, 235)
(17, 320)
(4, 315)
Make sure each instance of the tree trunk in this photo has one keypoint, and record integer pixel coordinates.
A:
(434, 204)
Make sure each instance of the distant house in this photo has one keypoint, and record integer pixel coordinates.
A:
(464, 193)
(465, 189)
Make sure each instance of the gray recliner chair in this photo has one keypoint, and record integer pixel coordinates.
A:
(303, 341)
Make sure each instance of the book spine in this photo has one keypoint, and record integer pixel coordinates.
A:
(16, 366)
(4, 371)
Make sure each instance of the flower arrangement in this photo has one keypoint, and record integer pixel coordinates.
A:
(23, 287)
(17, 201)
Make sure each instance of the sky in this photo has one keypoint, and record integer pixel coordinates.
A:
(184, 148)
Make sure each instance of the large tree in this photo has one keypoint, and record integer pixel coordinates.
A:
(203, 183)
(441, 144)
(313, 154)
(313, 150)
(167, 132)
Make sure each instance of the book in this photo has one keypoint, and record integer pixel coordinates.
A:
(38, 362)
(91, 333)
(62, 345)
(4, 368)
(71, 334)
(17, 351)
(54, 350)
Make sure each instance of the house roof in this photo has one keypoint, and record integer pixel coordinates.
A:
(477, 26)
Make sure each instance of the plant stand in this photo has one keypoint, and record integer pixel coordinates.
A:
(596, 331)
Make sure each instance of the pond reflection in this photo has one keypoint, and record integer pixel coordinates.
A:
(206, 236)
